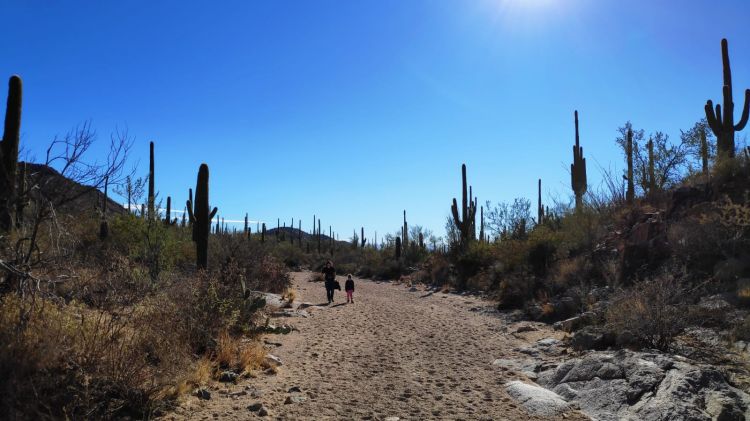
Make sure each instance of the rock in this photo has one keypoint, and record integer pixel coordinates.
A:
(235, 394)
(290, 313)
(392, 419)
(526, 328)
(592, 337)
(547, 342)
(273, 300)
(295, 389)
(272, 360)
(228, 376)
(536, 399)
(626, 385)
(573, 323)
(522, 366)
(294, 399)
(202, 393)
(263, 412)
(413, 289)
(255, 407)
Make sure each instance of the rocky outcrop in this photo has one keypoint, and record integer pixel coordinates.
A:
(626, 385)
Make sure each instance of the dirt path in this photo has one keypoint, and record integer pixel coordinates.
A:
(393, 353)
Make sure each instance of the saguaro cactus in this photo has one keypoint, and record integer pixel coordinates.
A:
(190, 199)
(723, 124)
(299, 235)
(630, 194)
(398, 248)
(200, 217)
(151, 194)
(168, 220)
(421, 240)
(465, 221)
(318, 236)
(704, 151)
(578, 169)
(184, 213)
(263, 234)
(362, 238)
(9, 152)
(539, 206)
(246, 226)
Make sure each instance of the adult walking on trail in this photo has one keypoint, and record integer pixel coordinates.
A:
(329, 274)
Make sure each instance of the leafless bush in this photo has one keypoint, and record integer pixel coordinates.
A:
(651, 312)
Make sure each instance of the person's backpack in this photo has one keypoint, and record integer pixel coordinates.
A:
(337, 285)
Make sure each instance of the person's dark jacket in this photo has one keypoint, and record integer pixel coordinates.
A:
(329, 273)
(349, 285)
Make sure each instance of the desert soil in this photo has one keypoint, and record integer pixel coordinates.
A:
(395, 352)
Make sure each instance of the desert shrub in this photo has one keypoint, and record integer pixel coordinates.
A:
(515, 290)
(543, 244)
(470, 262)
(652, 312)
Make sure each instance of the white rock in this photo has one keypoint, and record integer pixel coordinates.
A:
(536, 399)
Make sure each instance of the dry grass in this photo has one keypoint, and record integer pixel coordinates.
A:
(290, 294)
(252, 357)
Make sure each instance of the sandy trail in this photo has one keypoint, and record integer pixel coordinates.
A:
(393, 353)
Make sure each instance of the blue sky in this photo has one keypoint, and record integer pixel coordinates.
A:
(356, 110)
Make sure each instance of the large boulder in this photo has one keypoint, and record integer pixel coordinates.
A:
(537, 400)
(626, 385)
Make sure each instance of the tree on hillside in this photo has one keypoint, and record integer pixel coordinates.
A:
(691, 138)
(670, 159)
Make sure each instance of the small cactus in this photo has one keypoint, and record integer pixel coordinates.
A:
(704, 151)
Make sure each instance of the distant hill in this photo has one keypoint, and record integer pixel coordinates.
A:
(67, 195)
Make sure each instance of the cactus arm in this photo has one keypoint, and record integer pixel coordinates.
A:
(745, 112)
(189, 205)
(712, 119)
(213, 213)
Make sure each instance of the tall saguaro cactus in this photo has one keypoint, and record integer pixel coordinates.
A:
(539, 206)
(200, 217)
(630, 194)
(263, 234)
(246, 226)
(151, 194)
(722, 124)
(578, 169)
(9, 152)
(398, 248)
(362, 238)
(466, 220)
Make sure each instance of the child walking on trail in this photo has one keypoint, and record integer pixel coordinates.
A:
(349, 287)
